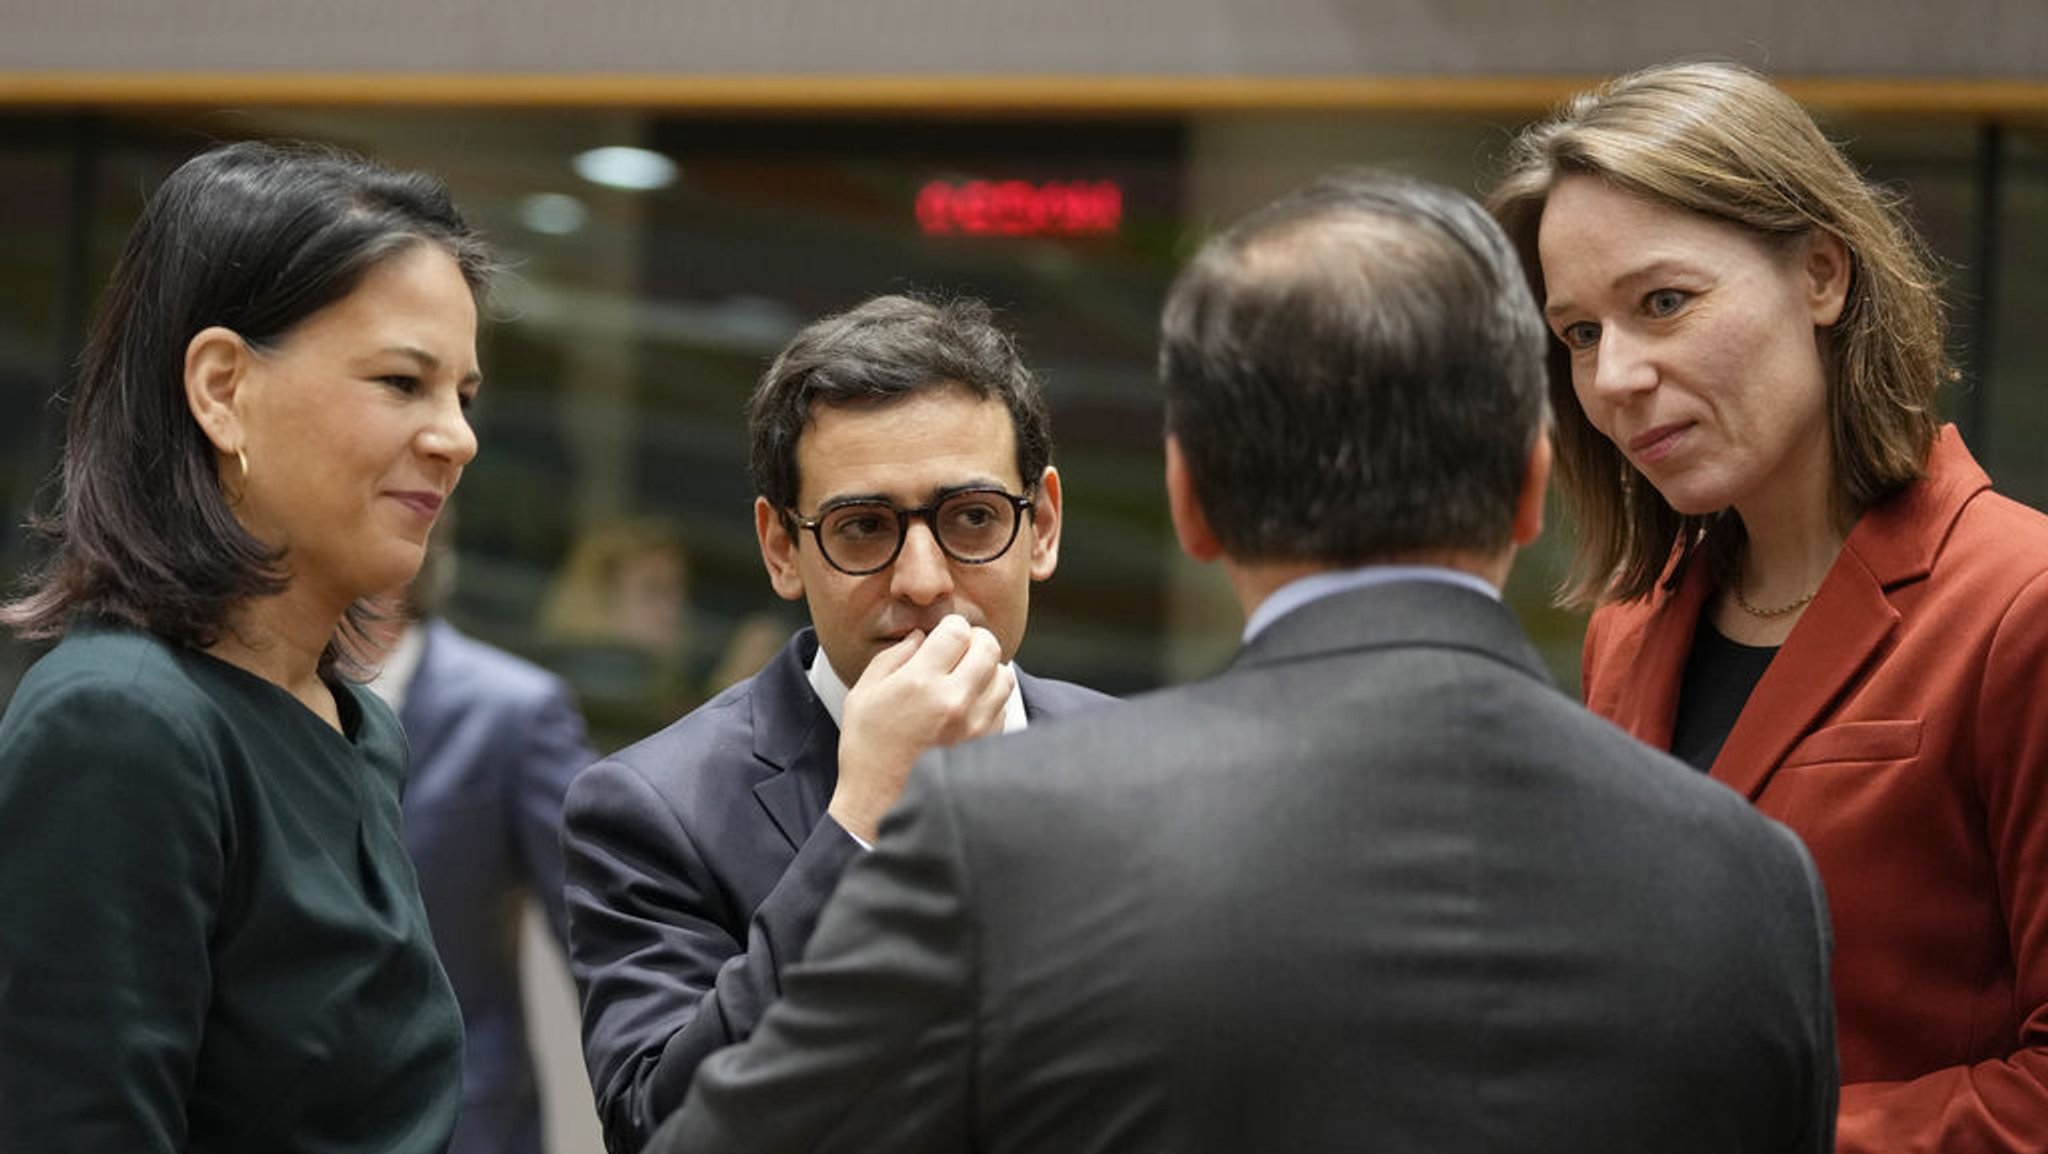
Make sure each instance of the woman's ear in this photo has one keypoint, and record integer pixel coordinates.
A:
(216, 365)
(1828, 271)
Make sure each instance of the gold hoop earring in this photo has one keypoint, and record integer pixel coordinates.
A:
(243, 457)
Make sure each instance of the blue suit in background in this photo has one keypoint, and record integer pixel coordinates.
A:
(495, 742)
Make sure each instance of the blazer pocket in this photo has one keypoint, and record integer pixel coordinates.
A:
(1859, 741)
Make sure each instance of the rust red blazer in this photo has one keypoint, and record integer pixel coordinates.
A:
(1902, 731)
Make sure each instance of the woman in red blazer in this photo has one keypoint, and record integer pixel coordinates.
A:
(1803, 583)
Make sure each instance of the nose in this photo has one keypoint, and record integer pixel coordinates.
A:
(922, 574)
(449, 435)
(1622, 367)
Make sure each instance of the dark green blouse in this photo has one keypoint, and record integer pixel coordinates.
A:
(211, 938)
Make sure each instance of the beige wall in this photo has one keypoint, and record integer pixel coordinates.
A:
(1901, 38)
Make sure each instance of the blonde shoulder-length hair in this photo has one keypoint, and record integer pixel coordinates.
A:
(1720, 140)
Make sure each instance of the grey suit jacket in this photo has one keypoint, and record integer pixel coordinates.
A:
(698, 861)
(1379, 886)
(495, 741)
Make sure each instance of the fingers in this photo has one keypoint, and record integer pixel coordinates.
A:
(945, 686)
(953, 649)
(889, 660)
(969, 659)
(951, 641)
(923, 691)
(994, 702)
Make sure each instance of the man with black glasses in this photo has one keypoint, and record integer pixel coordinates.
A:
(901, 457)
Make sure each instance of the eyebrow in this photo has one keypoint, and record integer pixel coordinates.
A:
(936, 495)
(1655, 269)
(426, 360)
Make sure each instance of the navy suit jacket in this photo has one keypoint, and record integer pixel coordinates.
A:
(698, 861)
(495, 742)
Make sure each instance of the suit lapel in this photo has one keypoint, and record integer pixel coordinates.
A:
(1655, 648)
(1835, 642)
(1034, 694)
(1845, 631)
(794, 736)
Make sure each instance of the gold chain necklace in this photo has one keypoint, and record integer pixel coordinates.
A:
(1766, 614)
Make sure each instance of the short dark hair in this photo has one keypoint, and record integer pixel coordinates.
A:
(255, 238)
(883, 349)
(1355, 372)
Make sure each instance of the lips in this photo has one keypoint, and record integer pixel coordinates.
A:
(1654, 445)
(424, 502)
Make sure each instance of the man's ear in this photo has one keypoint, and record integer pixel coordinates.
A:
(1190, 524)
(1828, 271)
(216, 366)
(1528, 524)
(1045, 525)
(778, 551)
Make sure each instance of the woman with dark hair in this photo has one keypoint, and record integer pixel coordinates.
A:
(1802, 581)
(210, 936)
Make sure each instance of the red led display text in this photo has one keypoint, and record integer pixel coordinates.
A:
(1019, 208)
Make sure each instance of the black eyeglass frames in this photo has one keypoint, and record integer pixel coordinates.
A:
(972, 526)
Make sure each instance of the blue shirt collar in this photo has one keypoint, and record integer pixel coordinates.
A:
(1316, 586)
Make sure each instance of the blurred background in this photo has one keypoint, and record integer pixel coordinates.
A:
(679, 188)
(658, 259)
